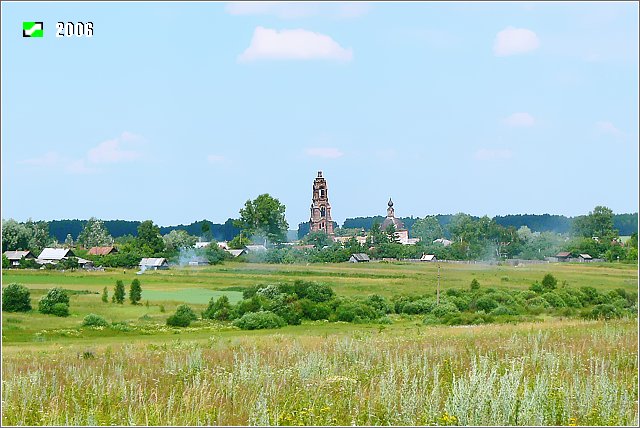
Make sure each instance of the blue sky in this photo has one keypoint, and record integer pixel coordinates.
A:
(177, 112)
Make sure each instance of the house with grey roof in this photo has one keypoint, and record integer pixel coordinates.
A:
(54, 255)
(359, 258)
(154, 263)
(15, 256)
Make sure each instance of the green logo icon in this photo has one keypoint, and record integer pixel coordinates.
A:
(33, 29)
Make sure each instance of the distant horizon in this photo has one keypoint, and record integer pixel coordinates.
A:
(340, 223)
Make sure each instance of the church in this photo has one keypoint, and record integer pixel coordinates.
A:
(320, 207)
(401, 234)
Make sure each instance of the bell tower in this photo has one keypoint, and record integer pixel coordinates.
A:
(320, 207)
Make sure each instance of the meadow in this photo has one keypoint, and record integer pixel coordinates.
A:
(555, 371)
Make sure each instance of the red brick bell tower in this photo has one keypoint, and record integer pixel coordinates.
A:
(320, 207)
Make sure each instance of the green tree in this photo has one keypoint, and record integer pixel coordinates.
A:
(598, 222)
(549, 282)
(390, 232)
(216, 255)
(118, 292)
(94, 234)
(149, 239)
(16, 298)
(264, 217)
(135, 292)
(177, 239)
(6, 264)
(39, 237)
(319, 239)
(218, 309)
(15, 236)
(427, 229)
(52, 300)
(376, 235)
(68, 242)
(105, 295)
(239, 242)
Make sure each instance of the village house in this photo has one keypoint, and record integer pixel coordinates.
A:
(102, 251)
(154, 263)
(15, 257)
(563, 256)
(359, 258)
(443, 241)
(428, 258)
(585, 258)
(54, 255)
(236, 253)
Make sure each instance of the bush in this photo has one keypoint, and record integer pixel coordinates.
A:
(93, 320)
(486, 303)
(351, 311)
(503, 310)
(60, 310)
(178, 320)
(380, 304)
(315, 311)
(445, 309)
(590, 293)
(16, 298)
(475, 285)
(554, 300)
(313, 291)
(536, 287)
(54, 296)
(549, 282)
(186, 311)
(420, 306)
(259, 320)
(218, 309)
(604, 311)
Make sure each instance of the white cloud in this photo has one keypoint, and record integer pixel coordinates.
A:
(215, 158)
(511, 41)
(493, 154)
(293, 44)
(520, 119)
(112, 151)
(608, 128)
(324, 152)
(49, 159)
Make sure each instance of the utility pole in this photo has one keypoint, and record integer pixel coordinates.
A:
(438, 289)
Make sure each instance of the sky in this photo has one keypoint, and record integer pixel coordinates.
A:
(177, 112)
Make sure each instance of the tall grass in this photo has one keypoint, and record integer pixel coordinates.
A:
(553, 373)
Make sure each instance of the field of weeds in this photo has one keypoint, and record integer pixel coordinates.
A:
(557, 372)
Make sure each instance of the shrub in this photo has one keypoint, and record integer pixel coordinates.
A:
(486, 303)
(60, 310)
(16, 298)
(178, 320)
(536, 287)
(554, 300)
(475, 285)
(135, 292)
(420, 306)
(549, 282)
(571, 300)
(528, 294)
(259, 320)
(605, 311)
(186, 311)
(253, 304)
(291, 313)
(445, 309)
(453, 292)
(313, 291)
(537, 305)
(118, 292)
(503, 310)
(54, 296)
(462, 303)
(93, 320)
(315, 311)
(221, 305)
(590, 293)
(351, 311)
(380, 304)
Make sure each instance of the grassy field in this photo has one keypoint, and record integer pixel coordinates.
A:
(552, 372)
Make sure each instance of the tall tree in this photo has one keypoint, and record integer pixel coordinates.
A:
(15, 236)
(427, 229)
(149, 239)
(264, 218)
(135, 292)
(94, 234)
(39, 237)
(598, 222)
(118, 292)
(177, 239)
